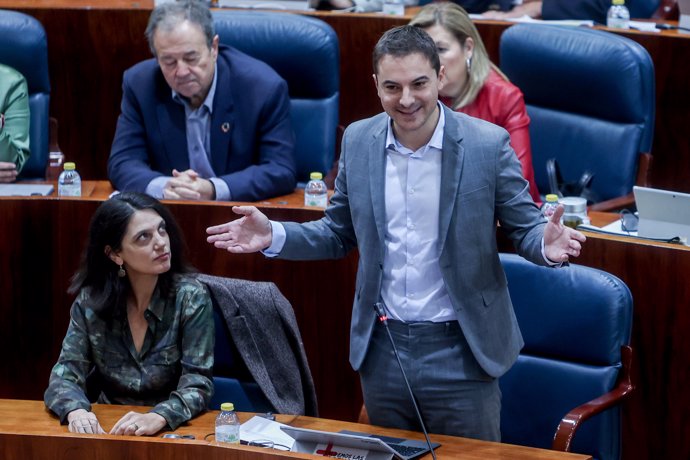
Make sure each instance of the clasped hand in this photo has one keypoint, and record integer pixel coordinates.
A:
(188, 185)
(131, 424)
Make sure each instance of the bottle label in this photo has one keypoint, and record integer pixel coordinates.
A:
(316, 200)
(228, 433)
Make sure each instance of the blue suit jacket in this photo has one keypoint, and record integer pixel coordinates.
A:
(594, 9)
(481, 181)
(252, 141)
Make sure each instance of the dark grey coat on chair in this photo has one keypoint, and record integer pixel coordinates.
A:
(264, 330)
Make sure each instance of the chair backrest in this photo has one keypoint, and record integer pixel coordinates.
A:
(574, 321)
(23, 46)
(232, 380)
(305, 53)
(590, 96)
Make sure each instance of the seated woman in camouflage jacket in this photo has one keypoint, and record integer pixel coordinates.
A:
(141, 329)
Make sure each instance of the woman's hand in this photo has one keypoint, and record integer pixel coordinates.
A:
(82, 421)
(136, 424)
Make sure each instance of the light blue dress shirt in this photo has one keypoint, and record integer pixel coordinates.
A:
(198, 127)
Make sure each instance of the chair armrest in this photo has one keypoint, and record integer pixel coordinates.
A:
(573, 419)
(614, 204)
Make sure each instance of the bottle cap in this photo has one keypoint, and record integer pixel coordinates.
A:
(316, 176)
(618, 2)
(574, 205)
(552, 198)
(69, 166)
(227, 406)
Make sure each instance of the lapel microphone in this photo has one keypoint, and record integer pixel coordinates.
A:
(381, 315)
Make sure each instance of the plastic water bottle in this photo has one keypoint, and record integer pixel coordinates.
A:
(549, 207)
(316, 192)
(228, 424)
(394, 7)
(69, 182)
(618, 16)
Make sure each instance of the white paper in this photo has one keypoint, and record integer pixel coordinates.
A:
(262, 429)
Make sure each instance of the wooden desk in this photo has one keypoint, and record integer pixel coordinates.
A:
(28, 431)
(43, 237)
(91, 43)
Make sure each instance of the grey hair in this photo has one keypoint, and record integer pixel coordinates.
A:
(169, 15)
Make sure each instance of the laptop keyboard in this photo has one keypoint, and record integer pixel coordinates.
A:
(407, 451)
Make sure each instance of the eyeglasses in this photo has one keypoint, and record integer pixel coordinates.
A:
(628, 221)
(268, 444)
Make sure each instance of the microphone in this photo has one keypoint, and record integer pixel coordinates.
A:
(381, 315)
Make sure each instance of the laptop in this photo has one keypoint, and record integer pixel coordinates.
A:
(664, 215)
(379, 447)
(25, 189)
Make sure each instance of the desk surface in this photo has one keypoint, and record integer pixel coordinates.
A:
(28, 430)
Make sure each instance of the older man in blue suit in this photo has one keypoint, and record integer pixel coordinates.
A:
(418, 192)
(201, 121)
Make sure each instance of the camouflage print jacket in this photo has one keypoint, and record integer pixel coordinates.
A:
(172, 372)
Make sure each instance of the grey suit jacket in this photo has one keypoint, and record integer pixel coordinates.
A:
(264, 329)
(481, 183)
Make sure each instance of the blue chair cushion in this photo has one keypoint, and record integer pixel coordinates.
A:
(25, 48)
(555, 307)
(591, 99)
(305, 53)
(232, 380)
(538, 392)
(607, 149)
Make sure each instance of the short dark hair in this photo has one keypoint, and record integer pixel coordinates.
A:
(169, 15)
(405, 40)
(98, 273)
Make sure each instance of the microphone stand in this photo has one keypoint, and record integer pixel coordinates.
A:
(381, 315)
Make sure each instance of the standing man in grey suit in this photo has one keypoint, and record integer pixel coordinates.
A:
(418, 192)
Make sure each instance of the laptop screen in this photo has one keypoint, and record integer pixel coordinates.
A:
(663, 214)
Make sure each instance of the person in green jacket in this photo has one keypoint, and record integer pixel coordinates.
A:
(14, 123)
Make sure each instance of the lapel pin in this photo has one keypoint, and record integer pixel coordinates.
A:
(225, 127)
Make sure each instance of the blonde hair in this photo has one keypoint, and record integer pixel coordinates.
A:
(455, 20)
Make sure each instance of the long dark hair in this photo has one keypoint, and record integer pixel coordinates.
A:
(98, 273)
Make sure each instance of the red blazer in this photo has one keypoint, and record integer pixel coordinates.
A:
(501, 103)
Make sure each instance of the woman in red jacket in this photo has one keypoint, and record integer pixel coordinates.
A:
(473, 85)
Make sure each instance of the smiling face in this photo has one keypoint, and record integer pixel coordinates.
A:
(453, 55)
(408, 87)
(145, 247)
(185, 59)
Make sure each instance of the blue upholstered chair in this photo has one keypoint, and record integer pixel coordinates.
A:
(305, 52)
(24, 47)
(590, 97)
(576, 323)
(232, 380)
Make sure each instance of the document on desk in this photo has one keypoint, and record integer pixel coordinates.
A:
(261, 429)
(25, 189)
(557, 22)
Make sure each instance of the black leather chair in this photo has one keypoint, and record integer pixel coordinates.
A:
(305, 52)
(23, 46)
(591, 99)
(563, 391)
